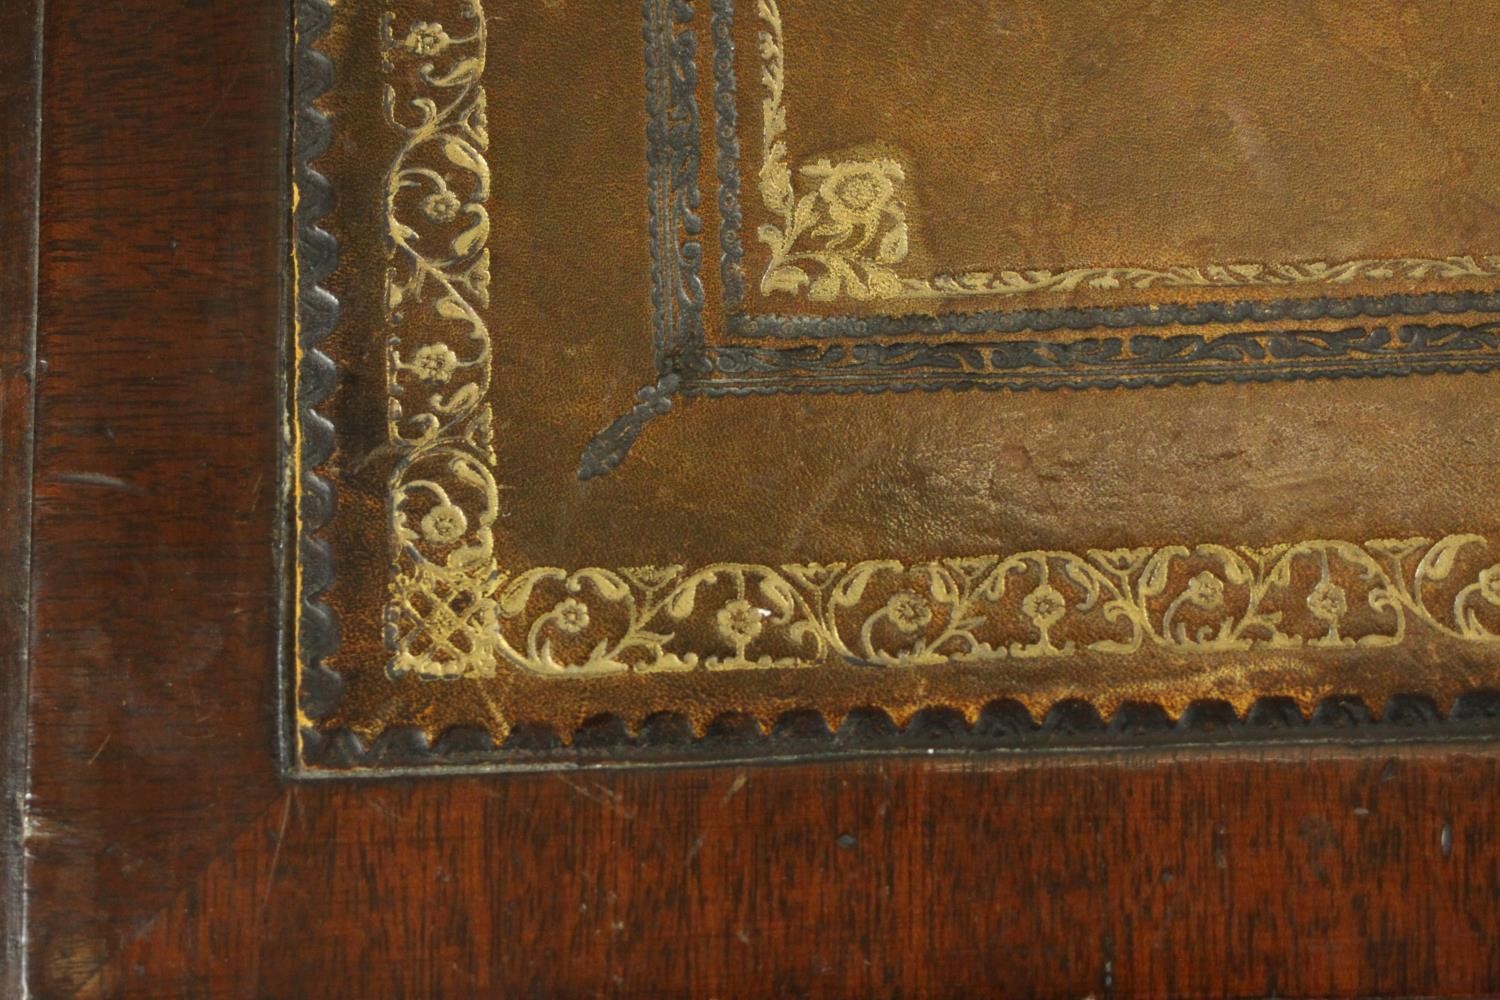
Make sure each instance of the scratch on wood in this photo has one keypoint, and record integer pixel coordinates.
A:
(102, 744)
(286, 814)
(599, 794)
(99, 479)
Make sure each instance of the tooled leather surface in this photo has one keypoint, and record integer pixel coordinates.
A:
(921, 476)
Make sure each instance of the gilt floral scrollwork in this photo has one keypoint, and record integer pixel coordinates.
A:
(442, 616)
(1206, 599)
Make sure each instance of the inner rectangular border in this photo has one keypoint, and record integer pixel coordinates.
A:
(1370, 335)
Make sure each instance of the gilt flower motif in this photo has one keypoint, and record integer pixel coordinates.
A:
(1045, 606)
(426, 38)
(908, 612)
(856, 192)
(441, 206)
(1206, 591)
(572, 616)
(739, 622)
(443, 524)
(1328, 602)
(434, 363)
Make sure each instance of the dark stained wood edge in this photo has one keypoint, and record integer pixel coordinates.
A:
(1315, 872)
(20, 135)
(152, 665)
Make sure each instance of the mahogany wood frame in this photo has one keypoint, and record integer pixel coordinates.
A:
(164, 855)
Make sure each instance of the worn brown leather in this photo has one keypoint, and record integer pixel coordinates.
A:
(1055, 135)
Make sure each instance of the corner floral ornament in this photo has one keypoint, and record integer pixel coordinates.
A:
(858, 225)
(845, 235)
(572, 616)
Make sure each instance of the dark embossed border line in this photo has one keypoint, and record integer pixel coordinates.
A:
(963, 351)
(311, 689)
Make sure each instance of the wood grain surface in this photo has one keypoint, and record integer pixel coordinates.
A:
(1312, 874)
(166, 857)
(19, 134)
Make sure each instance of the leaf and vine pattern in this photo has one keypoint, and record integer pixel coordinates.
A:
(443, 501)
(842, 231)
(1207, 276)
(1208, 599)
